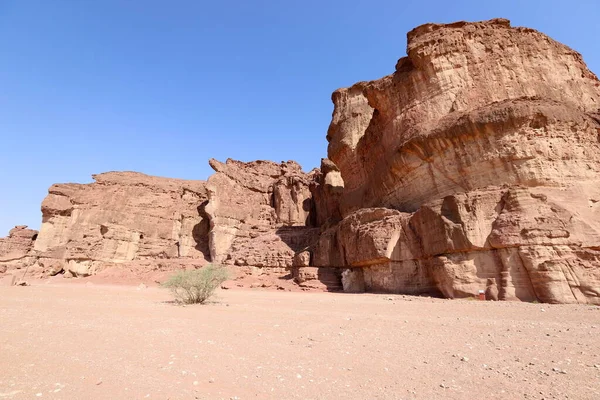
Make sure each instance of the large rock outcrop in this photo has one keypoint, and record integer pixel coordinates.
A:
(475, 164)
(122, 218)
(450, 118)
(257, 214)
(261, 213)
(15, 249)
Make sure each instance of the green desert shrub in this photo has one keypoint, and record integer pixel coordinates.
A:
(196, 285)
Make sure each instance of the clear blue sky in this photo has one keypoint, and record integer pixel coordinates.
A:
(88, 86)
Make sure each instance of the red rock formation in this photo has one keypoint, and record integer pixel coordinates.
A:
(256, 214)
(260, 213)
(485, 141)
(122, 218)
(474, 166)
(399, 141)
(326, 189)
(16, 247)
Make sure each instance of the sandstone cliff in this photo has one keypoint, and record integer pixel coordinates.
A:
(260, 213)
(15, 249)
(475, 164)
(122, 218)
(254, 214)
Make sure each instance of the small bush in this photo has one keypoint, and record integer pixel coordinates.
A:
(197, 285)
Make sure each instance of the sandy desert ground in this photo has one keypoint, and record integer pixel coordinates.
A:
(90, 341)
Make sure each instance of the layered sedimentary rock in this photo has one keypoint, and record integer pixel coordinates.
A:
(256, 214)
(327, 188)
(397, 140)
(260, 213)
(475, 166)
(121, 218)
(15, 249)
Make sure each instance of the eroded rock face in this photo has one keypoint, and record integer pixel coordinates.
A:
(121, 218)
(15, 249)
(327, 189)
(473, 104)
(475, 166)
(257, 215)
(261, 212)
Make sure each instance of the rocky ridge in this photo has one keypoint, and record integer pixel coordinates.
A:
(253, 216)
(474, 166)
